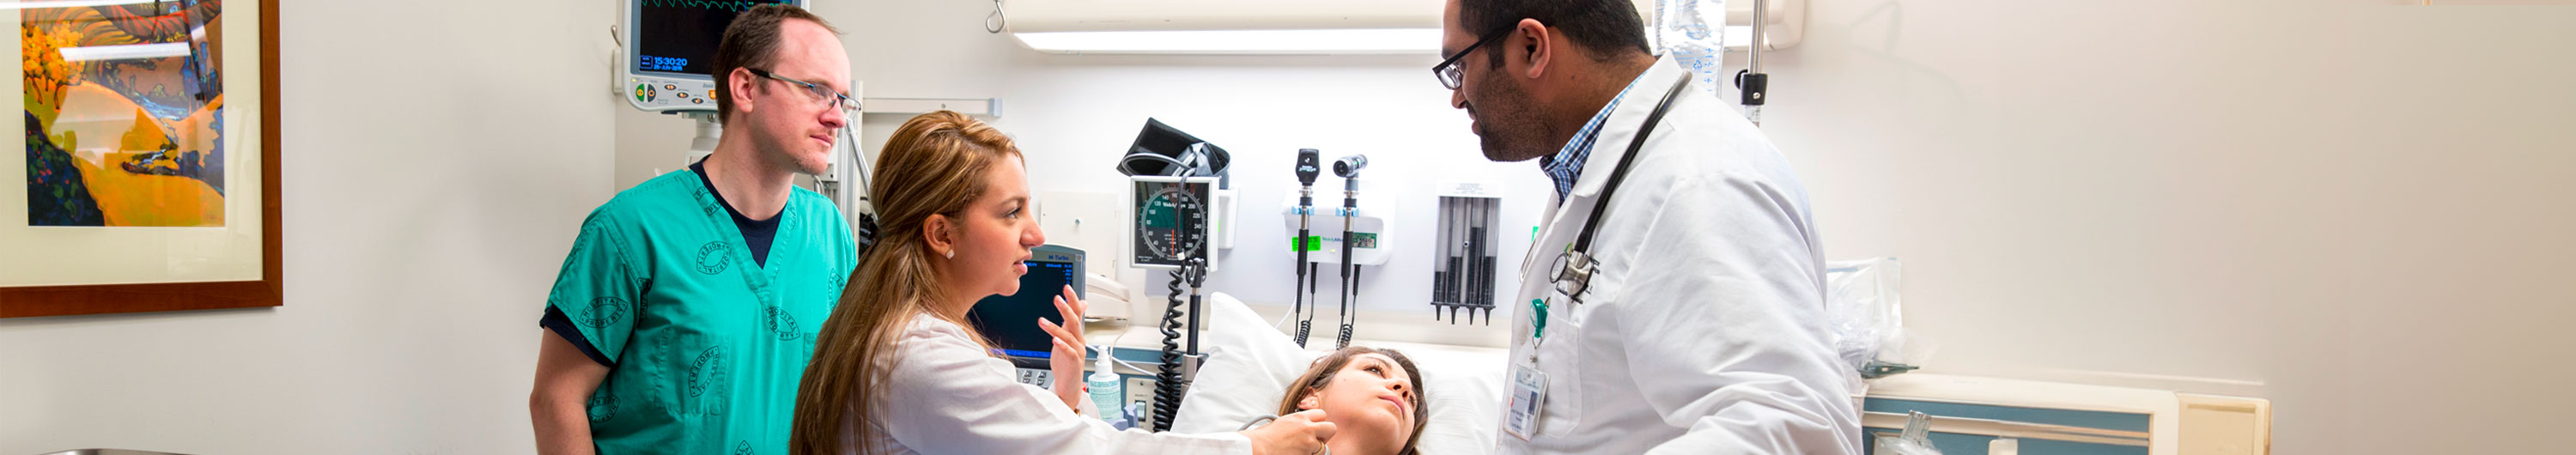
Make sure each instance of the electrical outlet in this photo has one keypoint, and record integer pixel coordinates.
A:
(1141, 390)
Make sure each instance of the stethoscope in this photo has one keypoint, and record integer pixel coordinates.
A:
(1576, 266)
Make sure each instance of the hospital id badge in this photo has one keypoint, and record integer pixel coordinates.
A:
(1529, 390)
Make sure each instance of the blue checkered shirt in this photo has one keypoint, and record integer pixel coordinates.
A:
(1567, 165)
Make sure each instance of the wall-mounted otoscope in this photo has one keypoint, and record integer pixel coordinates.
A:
(1348, 168)
(1309, 166)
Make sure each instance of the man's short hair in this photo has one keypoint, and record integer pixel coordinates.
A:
(1605, 28)
(752, 42)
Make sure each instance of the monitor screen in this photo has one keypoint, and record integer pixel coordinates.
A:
(680, 36)
(1011, 322)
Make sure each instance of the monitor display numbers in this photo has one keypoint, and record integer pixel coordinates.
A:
(660, 63)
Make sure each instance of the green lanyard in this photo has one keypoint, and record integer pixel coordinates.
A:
(1538, 328)
(1538, 319)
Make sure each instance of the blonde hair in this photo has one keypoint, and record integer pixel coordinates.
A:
(1321, 374)
(934, 164)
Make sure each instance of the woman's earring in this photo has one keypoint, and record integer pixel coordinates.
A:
(952, 254)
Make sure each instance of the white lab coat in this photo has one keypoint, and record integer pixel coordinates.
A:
(1703, 331)
(946, 396)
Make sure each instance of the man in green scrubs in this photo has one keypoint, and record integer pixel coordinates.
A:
(685, 314)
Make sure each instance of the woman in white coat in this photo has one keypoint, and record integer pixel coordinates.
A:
(897, 370)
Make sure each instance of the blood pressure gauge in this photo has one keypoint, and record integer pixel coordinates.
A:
(1172, 216)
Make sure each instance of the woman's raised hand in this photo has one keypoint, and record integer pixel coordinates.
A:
(1066, 362)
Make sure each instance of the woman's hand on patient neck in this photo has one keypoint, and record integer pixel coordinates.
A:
(1302, 433)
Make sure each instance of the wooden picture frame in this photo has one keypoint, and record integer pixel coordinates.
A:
(266, 291)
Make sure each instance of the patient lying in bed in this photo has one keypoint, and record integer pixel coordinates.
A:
(1254, 369)
(1372, 397)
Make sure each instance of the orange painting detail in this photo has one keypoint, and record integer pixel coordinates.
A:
(124, 113)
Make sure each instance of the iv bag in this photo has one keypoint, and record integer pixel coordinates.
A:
(1688, 30)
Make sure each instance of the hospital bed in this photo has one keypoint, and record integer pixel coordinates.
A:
(1250, 364)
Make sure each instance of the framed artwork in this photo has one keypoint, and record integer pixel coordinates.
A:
(148, 177)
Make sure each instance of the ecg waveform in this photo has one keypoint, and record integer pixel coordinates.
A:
(734, 5)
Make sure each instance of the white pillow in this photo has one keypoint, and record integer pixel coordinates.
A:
(1250, 364)
(1465, 395)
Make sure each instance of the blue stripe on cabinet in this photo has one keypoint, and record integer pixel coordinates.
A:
(2118, 421)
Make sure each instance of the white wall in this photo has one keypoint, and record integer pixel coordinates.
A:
(2352, 209)
(437, 163)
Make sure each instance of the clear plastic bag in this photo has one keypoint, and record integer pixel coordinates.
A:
(1689, 32)
(1868, 318)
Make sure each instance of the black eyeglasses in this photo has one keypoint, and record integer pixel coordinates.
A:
(1448, 71)
(829, 97)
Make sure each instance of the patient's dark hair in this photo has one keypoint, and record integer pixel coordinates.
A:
(1322, 373)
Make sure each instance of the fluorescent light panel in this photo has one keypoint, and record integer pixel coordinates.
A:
(1331, 41)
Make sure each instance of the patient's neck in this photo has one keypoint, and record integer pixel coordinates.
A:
(1362, 446)
(1341, 446)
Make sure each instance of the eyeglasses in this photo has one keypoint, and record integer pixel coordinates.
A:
(1448, 71)
(830, 98)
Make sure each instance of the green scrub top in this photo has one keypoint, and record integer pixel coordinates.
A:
(706, 347)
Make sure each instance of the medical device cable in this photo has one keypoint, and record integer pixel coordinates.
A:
(1167, 381)
(1350, 205)
(866, 228)
(1113, 343)
(1106, 350)
(1350, 313)
(1307, 169)
(1282, 323)
(1198, 276)
(1315, 283)
(1143, 154)
(1298, 305)
(858, 160)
